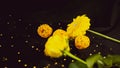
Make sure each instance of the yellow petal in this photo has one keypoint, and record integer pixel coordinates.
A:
(55, 45)
(79, 26)
(61, 33)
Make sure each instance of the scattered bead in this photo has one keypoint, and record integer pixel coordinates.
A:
(99, 52)
(111, 49)
(1, 34)
(12, 45)
(0, 45)
(100, 43)
(59, 24)
(60, 27)
(94, 50)
(19, 60)
(10, 15)
(104, 57)
(34, 67)
(25, 65)
(19, 19)
(55, 63)
(64, 59)
(28, 35)
(5, 67)
(62, 65)
(72, 60)
(90, 54)
(30, 24)
(96, 45)
(36, 49)
(93, 37)
(5, 59)
(8, 23)
(48, 64)
(26, 41)
(33, 46)
(11, 37)
(18, 53)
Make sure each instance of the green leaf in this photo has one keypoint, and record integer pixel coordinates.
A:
(100, 64)
(92, 60)
(107, 61)
(115, 58)
(111, 60)
(77, 64)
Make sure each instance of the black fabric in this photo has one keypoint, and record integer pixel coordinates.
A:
(20, 19)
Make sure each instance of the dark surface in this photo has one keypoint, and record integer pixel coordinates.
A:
(19, 21)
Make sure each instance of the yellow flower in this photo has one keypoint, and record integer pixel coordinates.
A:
(55, 45)
(44, 30)
(82, 42)
(79, 26)
(61, 33)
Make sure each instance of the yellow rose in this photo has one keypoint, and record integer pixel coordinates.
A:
(55, 45)
(82, 42)
(79, 26)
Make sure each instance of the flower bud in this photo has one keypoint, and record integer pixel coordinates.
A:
(44, 30)
(82, 42)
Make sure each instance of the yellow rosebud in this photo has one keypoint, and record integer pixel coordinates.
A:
(82, 42)
(61, 33)
(55, 45)
(44, 30)
(79, 26)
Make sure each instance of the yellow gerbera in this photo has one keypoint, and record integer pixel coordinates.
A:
(44, 30)
(55, 45)
(79, 26)
(82, 42)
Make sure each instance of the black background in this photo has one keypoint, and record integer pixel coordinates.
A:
(20, 19)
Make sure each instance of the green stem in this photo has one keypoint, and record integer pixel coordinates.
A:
(105, 36)
(74, 57)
